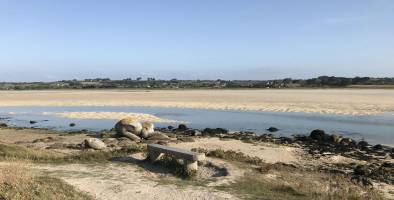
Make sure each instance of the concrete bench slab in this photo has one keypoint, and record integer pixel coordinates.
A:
(190, 158)
(180, 153)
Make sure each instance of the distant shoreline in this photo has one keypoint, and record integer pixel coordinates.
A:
(152, 83)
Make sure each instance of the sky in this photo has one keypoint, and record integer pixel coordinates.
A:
(47, 40)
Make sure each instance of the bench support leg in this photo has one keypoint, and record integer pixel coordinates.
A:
(190, 167)
(153, 156)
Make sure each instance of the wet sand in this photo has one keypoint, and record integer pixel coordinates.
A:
(111, 115)
(325, 101)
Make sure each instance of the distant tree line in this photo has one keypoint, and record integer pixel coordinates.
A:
(152, 83)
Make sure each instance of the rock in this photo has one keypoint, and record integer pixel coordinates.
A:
(158, 136)
(132, 136)
(3, 125)
(32, 122)
(334, 138)
(377, 147)
(347, 141)
(213, 132)
(193, 132)
(147, 129)
(128, 125)
(95, 143)
(72, 124)
(170, 127)
(318, 135)
(182, 127)
(363, 144)
(272, 129)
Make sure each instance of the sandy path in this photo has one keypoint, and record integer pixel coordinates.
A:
(332, 101)
(126, 181)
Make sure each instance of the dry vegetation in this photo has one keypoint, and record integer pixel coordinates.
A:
(285, 181)
(10, 152)
(17, 182)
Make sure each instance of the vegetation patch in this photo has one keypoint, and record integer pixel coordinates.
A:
(256, 186)
(15, 152)
(16, 182)
(230, 155)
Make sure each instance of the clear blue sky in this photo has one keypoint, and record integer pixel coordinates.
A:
(195, 39)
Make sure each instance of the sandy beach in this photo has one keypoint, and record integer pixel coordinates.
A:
(325, 101)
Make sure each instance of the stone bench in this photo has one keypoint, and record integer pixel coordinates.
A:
(190, 158)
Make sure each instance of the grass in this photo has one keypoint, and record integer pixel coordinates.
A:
(256, 186)
(11, 152)
(230, 155)
(16, 182)
(289, 182)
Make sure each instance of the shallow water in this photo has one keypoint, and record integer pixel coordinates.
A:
(375, 129)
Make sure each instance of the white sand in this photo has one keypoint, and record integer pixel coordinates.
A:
(126, 181)
(326, 101)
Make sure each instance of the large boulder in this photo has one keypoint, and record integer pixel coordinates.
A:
(132, 136)
(148, 128)
(318, 135)
(128, 125)
(95, 143)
